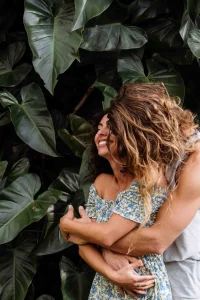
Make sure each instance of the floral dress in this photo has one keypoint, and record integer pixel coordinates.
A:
(129, 204)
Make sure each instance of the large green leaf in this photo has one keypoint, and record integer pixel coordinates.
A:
(109, 93)
(193, 7)
(88, 9)
(4, 118)
(77, 141)
(194, 42)
(3, 166)
(131, 69)
(48, 24)
(113, 37)
(31, 119)
(17, 267)
(142, 10)
(10, 76)
(18, 207)
(19, 168)
(164, 33)
(75, 280)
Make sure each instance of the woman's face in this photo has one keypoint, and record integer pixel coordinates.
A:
(101, 139)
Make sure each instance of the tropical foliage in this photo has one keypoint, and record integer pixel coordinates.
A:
(61, 61)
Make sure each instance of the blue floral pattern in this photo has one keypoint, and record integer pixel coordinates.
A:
(129, 204)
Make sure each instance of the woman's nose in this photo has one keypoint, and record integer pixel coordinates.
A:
(102, 132)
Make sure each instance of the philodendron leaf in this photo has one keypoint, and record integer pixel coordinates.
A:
(186, 26)
(113, 37)
(18, 207)
(194, 42)
(31, 119)
(48, 24)
(193, 7)
(10, 76)
(88, 9)
(130, 68)
(4, 118)
(75, 281)
(20, 168)
(77, 141)
(17, 267)
(3, 166)
(108, 92)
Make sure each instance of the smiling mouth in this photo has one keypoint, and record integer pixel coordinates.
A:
(102, 143)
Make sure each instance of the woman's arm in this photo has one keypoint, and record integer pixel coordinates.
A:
(103, 234)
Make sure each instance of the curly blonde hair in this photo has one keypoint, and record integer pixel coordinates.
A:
(149, 125)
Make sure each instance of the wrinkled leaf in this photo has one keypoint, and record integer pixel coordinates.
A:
(113, 37)
(88, 9)
(75, 280)
(20, 168)
(194, 42)
(18, 207)
(17, 267)
(54, 45)
(3, 166)
(109, 93)
(10, 76)
(77, 141)
(31, 119)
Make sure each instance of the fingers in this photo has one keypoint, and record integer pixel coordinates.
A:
(132, 259)
(121, 291)
(136, 263)
(70, 213)
(145, 285)
(131, 293)
(82, 212)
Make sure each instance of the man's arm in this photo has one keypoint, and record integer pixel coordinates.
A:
(173, 217)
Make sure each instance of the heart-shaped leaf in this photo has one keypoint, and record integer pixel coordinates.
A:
(75, 281)
(48, 24)
(10, 76)
(17, 267)
(113, 37)
(18, 207)
(31, 119)
(77, 141)
(131, 69)
(194, 42)
(87, 9)
(109, 93)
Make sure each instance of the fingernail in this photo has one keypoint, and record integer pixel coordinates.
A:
(80, 207)
(69, 206)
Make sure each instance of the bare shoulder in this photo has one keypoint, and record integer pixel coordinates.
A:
(102, 181)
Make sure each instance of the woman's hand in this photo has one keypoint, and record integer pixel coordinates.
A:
(70, 215)
(130, 282)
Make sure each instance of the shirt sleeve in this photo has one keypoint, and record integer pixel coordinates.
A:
(91, 203)
(129, 205)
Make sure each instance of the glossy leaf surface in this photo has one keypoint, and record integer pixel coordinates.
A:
(194, 42)
(108, 92)
(77, 141)
(31, 119)
(10, 76)
(88, 9)
(20, 168)
(3, 166)
(17, 267)
(48, 24)
(113, 37)
(18, 207)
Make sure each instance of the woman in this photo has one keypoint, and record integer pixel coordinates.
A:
(147, 123)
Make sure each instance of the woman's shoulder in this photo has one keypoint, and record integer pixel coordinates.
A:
(101, 182)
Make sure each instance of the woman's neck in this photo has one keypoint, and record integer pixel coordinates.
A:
(123, 178)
